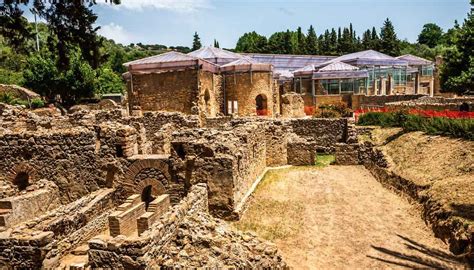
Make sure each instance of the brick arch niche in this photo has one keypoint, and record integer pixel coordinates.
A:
(22, 175)
(150, 174)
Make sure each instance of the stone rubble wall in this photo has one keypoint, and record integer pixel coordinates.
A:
(292, 106)
(139, 252)
(324, 132)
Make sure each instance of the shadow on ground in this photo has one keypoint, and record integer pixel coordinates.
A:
(420, 257)
(463, 210)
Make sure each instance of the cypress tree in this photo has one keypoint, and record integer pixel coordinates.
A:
(301, 42)
(196, 42)
(312, 46)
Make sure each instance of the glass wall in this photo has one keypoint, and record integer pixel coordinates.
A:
(345, 86)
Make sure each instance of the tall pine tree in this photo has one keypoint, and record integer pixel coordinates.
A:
(388, 39)
(312, 46)
(196, 42)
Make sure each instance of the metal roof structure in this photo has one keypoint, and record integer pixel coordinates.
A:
(338, 66)
(169, 61)
(368, 58)
(288, 61)
(415, 60)
(215, 55)
(325, 75)
(246, 64)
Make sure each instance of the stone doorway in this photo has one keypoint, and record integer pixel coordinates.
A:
(261, 105)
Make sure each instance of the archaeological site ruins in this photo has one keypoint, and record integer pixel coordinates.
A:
(161, 179)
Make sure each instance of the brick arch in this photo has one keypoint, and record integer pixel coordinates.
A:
(135, 185)
(22, 168)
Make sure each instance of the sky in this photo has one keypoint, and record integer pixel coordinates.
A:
(173, 22)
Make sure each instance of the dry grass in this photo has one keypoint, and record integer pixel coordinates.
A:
(336, 217)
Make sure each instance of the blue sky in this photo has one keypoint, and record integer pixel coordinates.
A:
(173, 22)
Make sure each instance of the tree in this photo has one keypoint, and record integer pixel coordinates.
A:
(301, 42)
(375, 40)
(252, 43)
(71, 24)
(389, 43)
(431, 35)
(79, 81)
(14, 27)
(345, 43)
(312, 46)
(196, 42)
(108, 82)
(216, 44)
(333, 43)
(457, 72)
(42, 76)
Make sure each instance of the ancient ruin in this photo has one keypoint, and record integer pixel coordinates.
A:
(152, 181)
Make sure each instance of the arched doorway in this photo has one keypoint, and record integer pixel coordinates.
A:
(21, 180)
(147, 195)
(261, 105)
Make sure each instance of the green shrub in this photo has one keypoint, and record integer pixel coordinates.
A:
(457, 128)
(37, 103)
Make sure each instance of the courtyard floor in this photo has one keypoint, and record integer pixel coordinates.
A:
(337, 217)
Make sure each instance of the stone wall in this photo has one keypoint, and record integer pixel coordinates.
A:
(140, 252)
(324, 132)
(228, 160)
(245, 87)
(18, 91)
(292, 106)
(363, 101)
(167, 91)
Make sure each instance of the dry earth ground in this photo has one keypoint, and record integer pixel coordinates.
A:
(340, 217)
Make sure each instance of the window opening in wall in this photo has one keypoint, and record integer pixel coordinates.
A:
(232, 107)
(118, 150)
(261, 104)
(147, 196)
(21, 180)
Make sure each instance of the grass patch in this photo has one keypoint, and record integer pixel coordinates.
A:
(323, 160)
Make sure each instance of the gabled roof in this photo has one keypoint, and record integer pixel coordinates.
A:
(369, 57)
(415, 60)
(168, 61)
(338, 66)
(208, 52)
(163, 58)
(246, 63)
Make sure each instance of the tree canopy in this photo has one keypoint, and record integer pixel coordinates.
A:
(431, 35)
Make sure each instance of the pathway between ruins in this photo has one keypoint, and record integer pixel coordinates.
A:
(341, 217)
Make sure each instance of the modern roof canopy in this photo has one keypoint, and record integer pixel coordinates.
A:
(246, 64)
(368, 58)
(331, 71)
(170, 60)
(415, 60)
(215, 55)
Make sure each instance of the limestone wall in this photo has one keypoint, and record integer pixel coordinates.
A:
(167, 91)
(324, 132)
(245, 87)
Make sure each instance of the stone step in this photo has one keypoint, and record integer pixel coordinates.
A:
(81, 250)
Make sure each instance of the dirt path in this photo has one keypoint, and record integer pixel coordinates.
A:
(341, 217)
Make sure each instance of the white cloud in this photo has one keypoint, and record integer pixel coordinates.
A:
(184, 6)
(117, 33)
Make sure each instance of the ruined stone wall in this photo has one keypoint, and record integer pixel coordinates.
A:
(67, 158)
(363, 101)
(324, 132)
(228, 160)
(292, 105)
(241, 88)
(210, 95)
(175, 91)
(140, 253)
